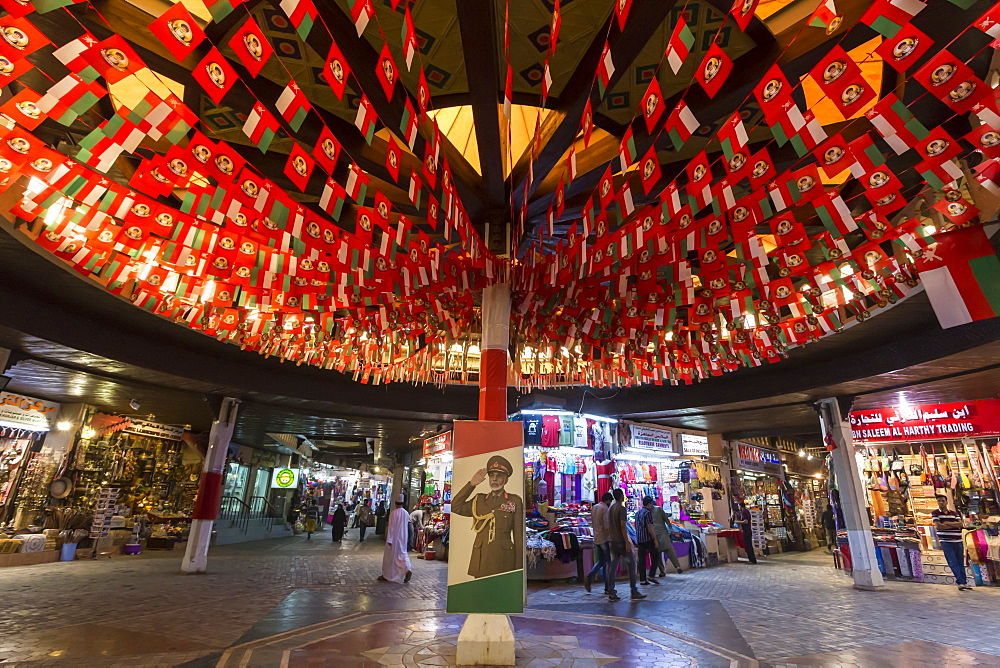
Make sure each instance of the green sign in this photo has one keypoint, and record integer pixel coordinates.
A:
(284, 478)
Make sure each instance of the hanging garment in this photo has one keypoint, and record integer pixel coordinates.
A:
(551, 427)
(604, 471)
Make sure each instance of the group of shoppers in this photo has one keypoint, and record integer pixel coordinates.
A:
(613, 544)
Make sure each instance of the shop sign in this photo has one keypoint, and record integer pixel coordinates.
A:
(154, 429)
(651, 438)
(26, 412)
(752, 458)
(437, 445)
(694, 445)
(929, 421)
(284, 478)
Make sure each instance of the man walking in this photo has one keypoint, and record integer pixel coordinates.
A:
(743, 519)
(395, 560)
(830, 527)
(365, 518)
(602, 554)
(622, 548)
(312, 515)
(948, 525)
(646, 539)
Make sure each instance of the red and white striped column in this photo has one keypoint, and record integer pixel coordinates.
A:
(493, 362)
(206, 507)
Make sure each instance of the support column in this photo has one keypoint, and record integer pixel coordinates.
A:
(837, 430)
(488, 639)
(493, 362)
(206, 507)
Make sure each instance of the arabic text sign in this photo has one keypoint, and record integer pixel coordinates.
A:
(752, 458)
(27, 412)
(694, 445)
(437, 444)
(650, 438)
(932, 421)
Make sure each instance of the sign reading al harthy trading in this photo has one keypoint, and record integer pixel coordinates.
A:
(486, 550)
(927, 421)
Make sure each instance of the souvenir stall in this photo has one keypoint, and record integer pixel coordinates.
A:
(148, 469)
(757, 473)
(437, 466)
(25, 472)
(561, 480)
(649, 463)
(910, 455)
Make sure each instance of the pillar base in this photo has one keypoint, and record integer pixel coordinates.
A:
(864, 587)
(196, 554)
(486, 640)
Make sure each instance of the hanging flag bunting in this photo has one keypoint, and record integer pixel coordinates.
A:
(261, 127)
(293, 105)
(680, 44)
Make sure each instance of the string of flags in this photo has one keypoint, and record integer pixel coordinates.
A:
(672, 270)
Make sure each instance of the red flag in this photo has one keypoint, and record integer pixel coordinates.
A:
(622, 8)
(299, 167)
(336, 70)
(713, 70)
(386, 71)
(762, 168)
(251, 46)
(327, 150)
(905, 49)
(606, 189)
(554, 26)
(652, 105)
(772, 92)
(942, 73)
(21, 38)
(113, 58)
(742, 12)
(393, 158)
(423, 93)
(587, 123)
(957, 208)
(215, 75)
(938, 146)
(178, 31)
(650, 170)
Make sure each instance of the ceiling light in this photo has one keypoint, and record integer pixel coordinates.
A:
(64, 425)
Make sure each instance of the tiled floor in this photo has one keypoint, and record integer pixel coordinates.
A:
(314, 602)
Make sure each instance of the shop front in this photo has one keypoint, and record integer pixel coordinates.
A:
(912, 455)
(437, 469)
(25, 471)
(567, 461)
(757, 481)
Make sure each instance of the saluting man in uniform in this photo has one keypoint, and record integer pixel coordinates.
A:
(497, 519)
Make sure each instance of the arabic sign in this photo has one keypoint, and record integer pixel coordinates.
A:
(155, 429)
(284, 478)
(694, 445)
(752, 458)
(17, 410)
(651, 438)
(927, 422)
(437, 444)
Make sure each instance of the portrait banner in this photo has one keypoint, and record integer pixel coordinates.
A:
(486, 545)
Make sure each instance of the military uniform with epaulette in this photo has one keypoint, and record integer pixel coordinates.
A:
(498, 521)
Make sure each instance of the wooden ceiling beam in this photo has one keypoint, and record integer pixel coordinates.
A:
(363, 60)
(477, 23)
(558, 132)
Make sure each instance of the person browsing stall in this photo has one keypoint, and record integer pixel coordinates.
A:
(949, 524)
